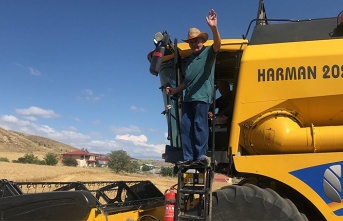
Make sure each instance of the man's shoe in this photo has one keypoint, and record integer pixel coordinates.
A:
(205, 160)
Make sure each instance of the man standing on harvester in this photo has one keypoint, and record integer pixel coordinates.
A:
(199, 85)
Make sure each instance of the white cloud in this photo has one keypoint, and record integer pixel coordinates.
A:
(137, 140)
(136, 109)
(143, 149)
(72, 128)
(31, 70)
(9, 118)
(89, 95)
(103, 146)
(45, 129)
(125, 130)
(34, 71)
(76, 119)
(33, 111)
(12, 120)
(96, 122)
(30, 118)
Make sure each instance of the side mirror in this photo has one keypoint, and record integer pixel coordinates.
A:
(161, 41)
(156, 60)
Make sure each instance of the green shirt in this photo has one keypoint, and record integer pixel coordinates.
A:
(199, 78)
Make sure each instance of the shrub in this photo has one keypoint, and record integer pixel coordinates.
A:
(69, 161)
(4, 159)
(166, 171)
(51, 159)
(146, 168)
(29, 158)
(134, 167)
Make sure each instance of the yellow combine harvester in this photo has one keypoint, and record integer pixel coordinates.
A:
(284, 133)
(283, 136)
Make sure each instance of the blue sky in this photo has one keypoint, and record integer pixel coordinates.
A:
(76, 70)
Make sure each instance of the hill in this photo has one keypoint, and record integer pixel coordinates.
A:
(15, 144)
(12, 141)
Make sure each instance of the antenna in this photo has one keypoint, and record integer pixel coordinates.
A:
(261, 14)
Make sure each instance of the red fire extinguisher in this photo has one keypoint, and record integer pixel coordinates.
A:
(169, 203)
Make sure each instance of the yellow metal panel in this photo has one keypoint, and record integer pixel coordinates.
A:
(302, 56)
(227, 45)
(303, 76)
(261, 95)
(157, 212)
(279, 167)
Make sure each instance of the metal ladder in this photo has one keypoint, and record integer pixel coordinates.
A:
(194, 193)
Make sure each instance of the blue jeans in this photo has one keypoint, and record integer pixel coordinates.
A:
(194, 129)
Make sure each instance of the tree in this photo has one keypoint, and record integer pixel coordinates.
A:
(51, 159)
(119, 160)
(134, 167)
(69, 161)
(166, 171)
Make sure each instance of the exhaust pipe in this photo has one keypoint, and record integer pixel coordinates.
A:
(280, 132)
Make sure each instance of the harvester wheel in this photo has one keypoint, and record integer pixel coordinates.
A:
(249, 202)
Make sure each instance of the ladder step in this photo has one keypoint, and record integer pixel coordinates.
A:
(194, 180)
(192, 191)
(190, 217)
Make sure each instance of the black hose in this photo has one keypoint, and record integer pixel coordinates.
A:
(147, 216)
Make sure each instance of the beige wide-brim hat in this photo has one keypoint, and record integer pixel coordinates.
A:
(195, 33)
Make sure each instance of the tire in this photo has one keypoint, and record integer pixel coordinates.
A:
(249, 202)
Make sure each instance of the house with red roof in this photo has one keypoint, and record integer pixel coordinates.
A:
(83, 157)
(102, 161)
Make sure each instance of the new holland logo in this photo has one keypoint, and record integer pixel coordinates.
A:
(331, 183)
(328, 186)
